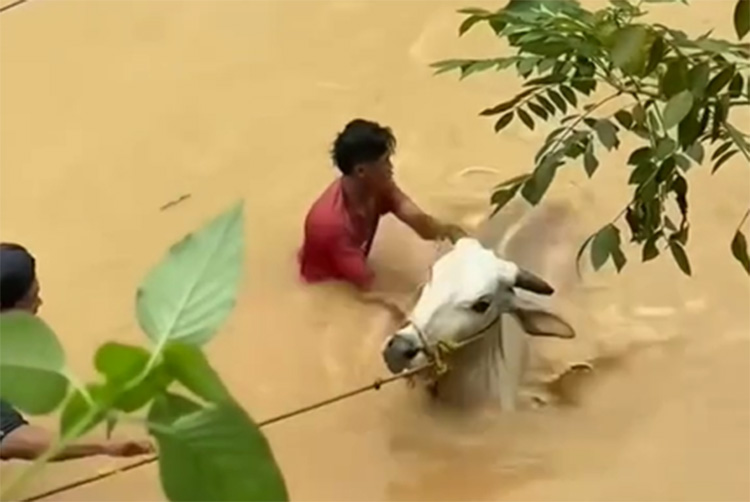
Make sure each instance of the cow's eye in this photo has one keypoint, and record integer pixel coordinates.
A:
(480, 306)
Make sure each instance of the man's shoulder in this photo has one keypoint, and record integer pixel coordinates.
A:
(326, 216)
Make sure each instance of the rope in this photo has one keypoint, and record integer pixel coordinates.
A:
(376, 385)
(11, 5)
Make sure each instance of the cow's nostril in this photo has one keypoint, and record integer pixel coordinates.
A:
(411, 353)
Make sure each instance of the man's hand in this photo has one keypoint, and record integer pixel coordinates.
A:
(452, 232)
(128, 448)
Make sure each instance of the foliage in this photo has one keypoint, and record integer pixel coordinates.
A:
(673, 92)
(209, 448)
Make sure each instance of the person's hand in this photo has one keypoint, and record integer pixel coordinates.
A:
(452, 232)
(128, 448)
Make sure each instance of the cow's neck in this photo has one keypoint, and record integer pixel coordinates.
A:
(477, 374)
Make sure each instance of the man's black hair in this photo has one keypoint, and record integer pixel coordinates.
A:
(361, 141)
(17, 274)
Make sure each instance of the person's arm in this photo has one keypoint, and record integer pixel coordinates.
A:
(29, 442)
(423, 224)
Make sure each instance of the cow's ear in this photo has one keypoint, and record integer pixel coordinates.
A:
(539, 322)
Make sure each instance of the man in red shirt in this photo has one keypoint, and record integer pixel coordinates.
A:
(341, 224)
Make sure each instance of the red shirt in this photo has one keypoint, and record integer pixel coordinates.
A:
(337, 242)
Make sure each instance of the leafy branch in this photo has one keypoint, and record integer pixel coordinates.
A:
(203, 434)
(683, 90)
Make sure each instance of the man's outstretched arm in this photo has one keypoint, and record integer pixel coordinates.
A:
(29, 442)
(426, 226)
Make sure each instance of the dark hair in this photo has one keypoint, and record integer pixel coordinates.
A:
(17, 274)
(361, 141)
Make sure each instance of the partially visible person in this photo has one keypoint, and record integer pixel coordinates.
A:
(341, 225)
(19, 290)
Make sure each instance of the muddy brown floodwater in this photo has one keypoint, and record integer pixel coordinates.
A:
(112, 109)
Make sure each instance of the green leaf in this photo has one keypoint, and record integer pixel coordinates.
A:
(680, 257)
(546, 64)
(721, 160)
(189, 295)
(720, 80)
(546, 104)
(120, 363)
(79, 413)
(526, 66)
(742, 18)
(515, 180)
(169, 407)
(631, 49)
(568, 94)
(215, 453)
(132, 398)
(624, 118)
(590, 162)
(32, 364)
(688, 129)
(735, 86)
(639, 156)
(641, 173)
(500, 108)
(655, 55)
(525, 118)
(477, 66)
(605, 242)
(449, 65)
(474, 11)
(468, 23)
(664, 148)
(698, 79)
(682, 162)
(503, 121)
(680, 188)
(650, 251)
(721, 109)
(558, 100)
(696, 152)
(618, 258)
(606, 131)
(677, 109)
(739, 250)
(188, 365)
(538, 110)
(675, 79)
(723, 148)
(584, 85)
(536, 186)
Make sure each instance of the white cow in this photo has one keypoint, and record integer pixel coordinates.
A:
(469, 290)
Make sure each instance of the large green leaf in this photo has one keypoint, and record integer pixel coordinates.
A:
(192, 291)
(215, 453)
(188, 365)
(32, 364)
